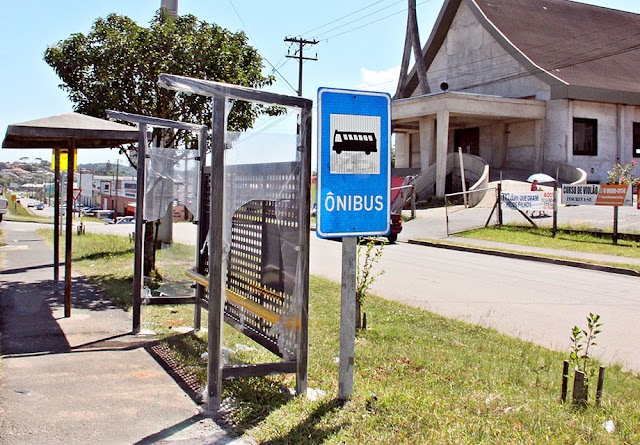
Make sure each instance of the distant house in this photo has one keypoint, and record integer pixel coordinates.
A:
(528, 84)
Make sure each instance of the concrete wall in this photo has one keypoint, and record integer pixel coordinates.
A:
(520, 151)
(615, 136)
(471, 60)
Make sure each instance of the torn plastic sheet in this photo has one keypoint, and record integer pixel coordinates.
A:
(171, 174)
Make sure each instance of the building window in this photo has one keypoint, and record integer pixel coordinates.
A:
(636, 139)
(585, 137)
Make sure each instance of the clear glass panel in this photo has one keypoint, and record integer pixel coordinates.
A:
(262, 232)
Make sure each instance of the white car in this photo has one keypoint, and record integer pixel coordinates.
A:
(126, 220)
(4, 205)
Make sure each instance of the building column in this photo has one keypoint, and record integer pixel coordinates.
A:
(499, 143)
(427, 131)
(620, 132)
(442, 143)
(568, 137)
(402, 147)
(538, 142)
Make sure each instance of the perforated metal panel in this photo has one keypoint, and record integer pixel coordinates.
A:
(264, 240)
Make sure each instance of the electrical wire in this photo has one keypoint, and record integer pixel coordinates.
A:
(274, 69)
(361, 18)
(343, 17)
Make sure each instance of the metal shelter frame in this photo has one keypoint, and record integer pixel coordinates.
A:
(215, 282)
(153, 122)
(72, 131)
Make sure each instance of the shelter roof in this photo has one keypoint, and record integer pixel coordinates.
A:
(582, 51)
(69, 129)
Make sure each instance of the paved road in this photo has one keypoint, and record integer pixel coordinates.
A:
(530, 300)
(534, 301)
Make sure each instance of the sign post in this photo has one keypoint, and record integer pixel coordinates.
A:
(354, 191)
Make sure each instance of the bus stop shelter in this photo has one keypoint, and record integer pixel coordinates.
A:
(68, 131)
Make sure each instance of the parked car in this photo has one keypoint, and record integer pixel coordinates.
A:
(126, 220)
(107, 220)
(396, 227)
(90, 211)
(4, 205)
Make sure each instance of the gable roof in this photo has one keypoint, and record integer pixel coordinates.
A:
(582, 51)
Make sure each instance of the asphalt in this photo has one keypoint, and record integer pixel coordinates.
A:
(86, 378)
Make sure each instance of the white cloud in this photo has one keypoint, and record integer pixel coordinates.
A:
(385, 80)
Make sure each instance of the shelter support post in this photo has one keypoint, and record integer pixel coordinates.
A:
(202, 229)
(302, 352)
(56, 221)
(139, 233)
(216, 230)
(68, 232)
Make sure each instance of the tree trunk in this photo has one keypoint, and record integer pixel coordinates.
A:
(149, 262)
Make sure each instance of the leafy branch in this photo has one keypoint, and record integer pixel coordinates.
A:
(369, 254)
(582, 341)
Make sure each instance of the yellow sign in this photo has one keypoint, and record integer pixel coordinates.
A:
(64, 159)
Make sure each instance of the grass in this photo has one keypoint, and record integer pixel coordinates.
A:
(419, 377)
(543, 237)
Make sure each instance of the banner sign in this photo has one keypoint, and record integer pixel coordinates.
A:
(597, 194)
(525, 201)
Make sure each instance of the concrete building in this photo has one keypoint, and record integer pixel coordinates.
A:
(106, 192)
(527, 84)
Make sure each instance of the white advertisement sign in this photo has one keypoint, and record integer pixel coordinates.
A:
(527, 201)
(597, 194)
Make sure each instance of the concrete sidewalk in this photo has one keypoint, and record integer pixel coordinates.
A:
(83, 379)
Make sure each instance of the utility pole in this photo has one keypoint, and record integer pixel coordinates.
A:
(298, 54)
(171, 6)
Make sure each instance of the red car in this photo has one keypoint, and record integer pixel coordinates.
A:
(396, 227)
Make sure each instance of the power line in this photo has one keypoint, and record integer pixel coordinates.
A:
(364, 17)
(274, 69)
(368, 23)
(343, 17)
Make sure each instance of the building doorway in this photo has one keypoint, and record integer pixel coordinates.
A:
(468, 139)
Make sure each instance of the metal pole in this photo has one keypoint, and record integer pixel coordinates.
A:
(216, 231)
(115, 208)
(202, 229)
(69, 232)
(555, 203)
(347, 317)
(302, 353)
(464, 184)
(138, 253)
(615, 224)
(499, 200)
(56, 220)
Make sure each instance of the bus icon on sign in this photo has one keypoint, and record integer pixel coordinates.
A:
(354, 141)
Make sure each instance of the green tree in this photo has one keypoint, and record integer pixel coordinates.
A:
(117, 64)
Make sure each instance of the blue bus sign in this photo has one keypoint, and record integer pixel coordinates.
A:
(354, 163)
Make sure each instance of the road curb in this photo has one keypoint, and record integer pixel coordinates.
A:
(523, 256)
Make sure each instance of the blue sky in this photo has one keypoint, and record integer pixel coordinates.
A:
(360, 46)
